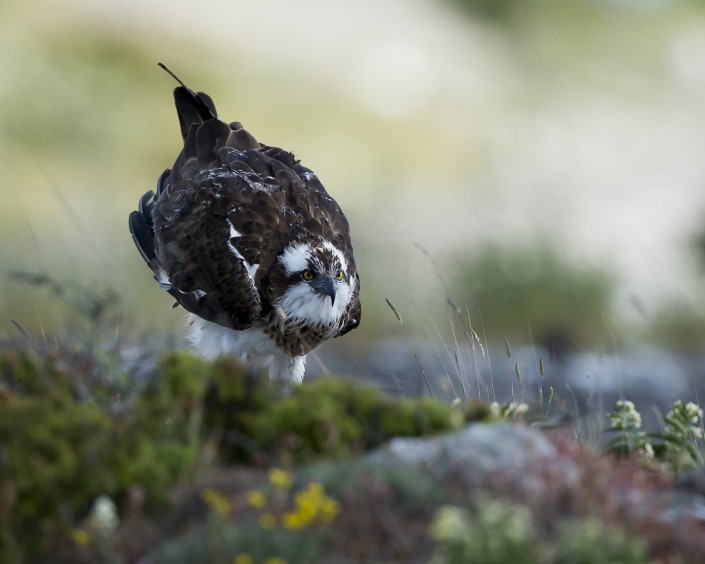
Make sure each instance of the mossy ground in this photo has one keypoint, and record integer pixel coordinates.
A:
(69, 436)
(186, 454)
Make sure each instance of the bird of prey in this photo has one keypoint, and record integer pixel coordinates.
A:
(246, 239)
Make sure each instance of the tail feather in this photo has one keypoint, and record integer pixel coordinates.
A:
(191, 107)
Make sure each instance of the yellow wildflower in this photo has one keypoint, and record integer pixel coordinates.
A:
(311, 505)
(329, 510)
(308, 513)
(267, 521)
(256, 499)
(243, 558)
(305, 506)
(216, 501)
(293, 520)
(315, 490)
(281, 478)
(80, 537)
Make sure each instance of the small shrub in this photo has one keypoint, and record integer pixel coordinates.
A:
(678, 445)
(624, 424)
(682, 437)
(68, 437)
(678, 325)
(283, 524)
(62, 450)
(493, 532)
(337, 417)
(588, 541)
(536, 287)
(497, 532)
(498, 11)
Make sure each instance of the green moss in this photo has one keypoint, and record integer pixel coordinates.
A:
(61, 449)
(65, 439)
(232, 402)
(337, 417)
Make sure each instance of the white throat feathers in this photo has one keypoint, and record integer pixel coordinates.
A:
(301, 303)
(252, 347)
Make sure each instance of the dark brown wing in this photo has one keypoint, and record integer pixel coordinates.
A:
(182, 232)
(220, 218)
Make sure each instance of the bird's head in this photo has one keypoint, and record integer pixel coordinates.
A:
(320, 282)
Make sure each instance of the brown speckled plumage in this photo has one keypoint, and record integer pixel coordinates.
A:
(224, 183)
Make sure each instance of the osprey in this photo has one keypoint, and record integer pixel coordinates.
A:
(248, 241)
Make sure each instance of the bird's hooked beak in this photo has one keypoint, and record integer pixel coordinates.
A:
(325, 285)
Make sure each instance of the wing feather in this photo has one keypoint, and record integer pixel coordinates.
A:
(224, 213)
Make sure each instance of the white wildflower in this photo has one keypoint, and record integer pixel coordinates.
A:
(625, 416)
(693, 412)
(449, 523)
(617, 421)
(508, 409)
(103, 516)
(513, 520)
(635, 418)
(675, 409)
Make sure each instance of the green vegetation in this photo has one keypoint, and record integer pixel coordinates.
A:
(503, 12)
(284, 521)
(175, 460)
(108, 458)
(196, 458)
(678, 326)
(587, 541)
(70, 434)
(679, 446)
(493, 533)
(330, 417)
(496, 532)
(679, 323)
(535, 292)
(65, 441)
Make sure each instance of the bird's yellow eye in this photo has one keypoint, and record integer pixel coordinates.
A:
(307, 275)
(340, 275)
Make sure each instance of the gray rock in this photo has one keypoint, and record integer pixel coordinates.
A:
(480, 454)
(650, 377)
(644, 367)
(486, 455)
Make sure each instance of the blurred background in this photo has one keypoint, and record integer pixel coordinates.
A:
(537, 162)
